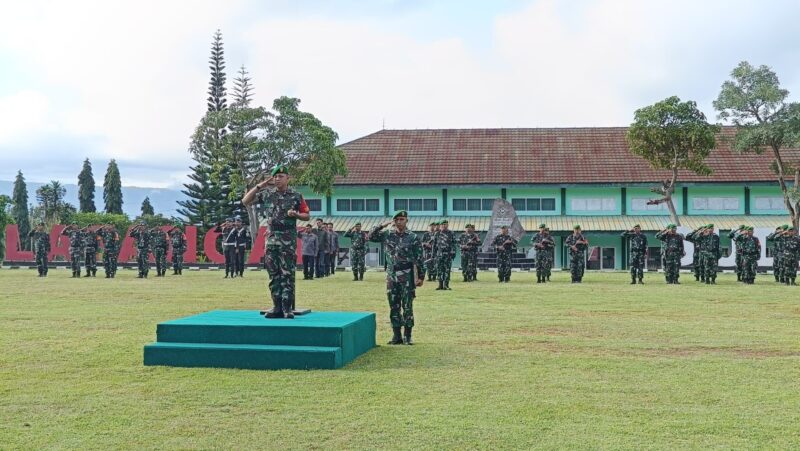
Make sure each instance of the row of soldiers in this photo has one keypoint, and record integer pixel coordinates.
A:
(786, 252)
(85, 242)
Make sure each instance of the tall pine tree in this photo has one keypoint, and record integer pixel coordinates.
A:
(19, 209)
(147, 207)
(112, 189)
(242, 89)
(86, 188)
(206, 202)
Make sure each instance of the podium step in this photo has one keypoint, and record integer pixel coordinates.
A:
(243, 356)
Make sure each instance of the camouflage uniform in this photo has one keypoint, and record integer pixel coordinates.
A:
(142, 237)
(672, 250)
(281, 252)
(710, 254)
(791, 253)
(160, 243)
(403, 258)
(41, 246)
(111, 246)
(445, 246)
(469, 243)
(358, 252)
(777, 238)
(428, 252)
(637, 247)
(577, 257)
(178, 241)
(739, 258)
(76, 254)
(90, 247)
(751, 251)
(696, 237)
(504, 252)
(545, 247)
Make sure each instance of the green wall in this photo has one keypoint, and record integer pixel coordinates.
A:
(555, 193)
(731, 191)
(765, 191)
(599, 192)
(470, 193)
(357, 193)
(417, 193)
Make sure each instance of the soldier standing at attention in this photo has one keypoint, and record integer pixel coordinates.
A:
(242, 241)
(469, 242)
(544, 245)
(778, 239)
(427, 250)
(673, 251)
(732, 235)
(91, 237)
(637, 245)
(710, 254)
(75, 247)
(179, 244)
(751, 252)
(791, 253)
(404, 273)
(696, 237)
(577, 245)
(505, 245)
(284, 206)
(308, 239)
(111, 247)
(358, 250)
(445, 252)
(142, 238)
(228, 233)
(41, 246)
(159, 241)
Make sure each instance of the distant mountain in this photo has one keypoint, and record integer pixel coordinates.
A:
(164, 200)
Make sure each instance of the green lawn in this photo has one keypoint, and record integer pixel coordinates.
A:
(599, 365)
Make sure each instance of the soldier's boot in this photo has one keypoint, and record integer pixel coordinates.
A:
(94, 273)
(641, 282)
(633, 279)
(447, 285)
(361, 275)
(397, 339)
(355, 276)
(407, 337)
(441, 285)
(793, 282)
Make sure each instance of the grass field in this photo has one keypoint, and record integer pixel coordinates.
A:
(599, 365)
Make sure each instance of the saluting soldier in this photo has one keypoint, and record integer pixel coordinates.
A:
(404, 273)
(469, 242)
(544, 246)
(778, 238)
(41, 246)
(142, 236)
(505, 245)
(577, 245)
(791, 253)
(358, 250)
(751, 252)
(90, 246)
(738, 268)
(710, 254)
(179, 244)
(673, 250)
(111, 246)
(696, 237)
(76, 244)
(159, 242)
(283, 207)
(637, 245)
(445, 251)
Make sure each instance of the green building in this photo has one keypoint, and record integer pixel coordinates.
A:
(557, 176)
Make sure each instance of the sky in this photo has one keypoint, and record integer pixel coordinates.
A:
(127, 80)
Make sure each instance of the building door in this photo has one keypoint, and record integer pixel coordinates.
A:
(608, 258)
(600, 258)
(653, 258)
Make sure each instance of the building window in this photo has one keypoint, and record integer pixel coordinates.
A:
(473, 204)
(715, 203)
(594, 204)
(358, 205)
(314, 204)
(769, 203)
(534, 204)
(416, 204)
(640, 204)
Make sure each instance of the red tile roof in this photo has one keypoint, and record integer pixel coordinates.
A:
(527, 156)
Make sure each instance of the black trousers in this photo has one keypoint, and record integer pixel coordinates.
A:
(309, 266)
(240, 251)
(230, 259)
(321, 263)
(332, 263)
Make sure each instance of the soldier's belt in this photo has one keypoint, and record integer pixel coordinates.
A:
(402, 266)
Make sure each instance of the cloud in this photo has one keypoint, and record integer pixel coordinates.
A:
(128, 80)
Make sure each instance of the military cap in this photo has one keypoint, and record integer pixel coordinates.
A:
(542, 226)
(671, 226)
(709, 226)
(637, 225)
(504, 227)
(785, 227)
(279, 169)
(547, 229)
(750, 228)
(790, 228)
(444, 221)
(433, 223)
(400, 214)
(356, 224)
(742, 227)
(576, 227)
